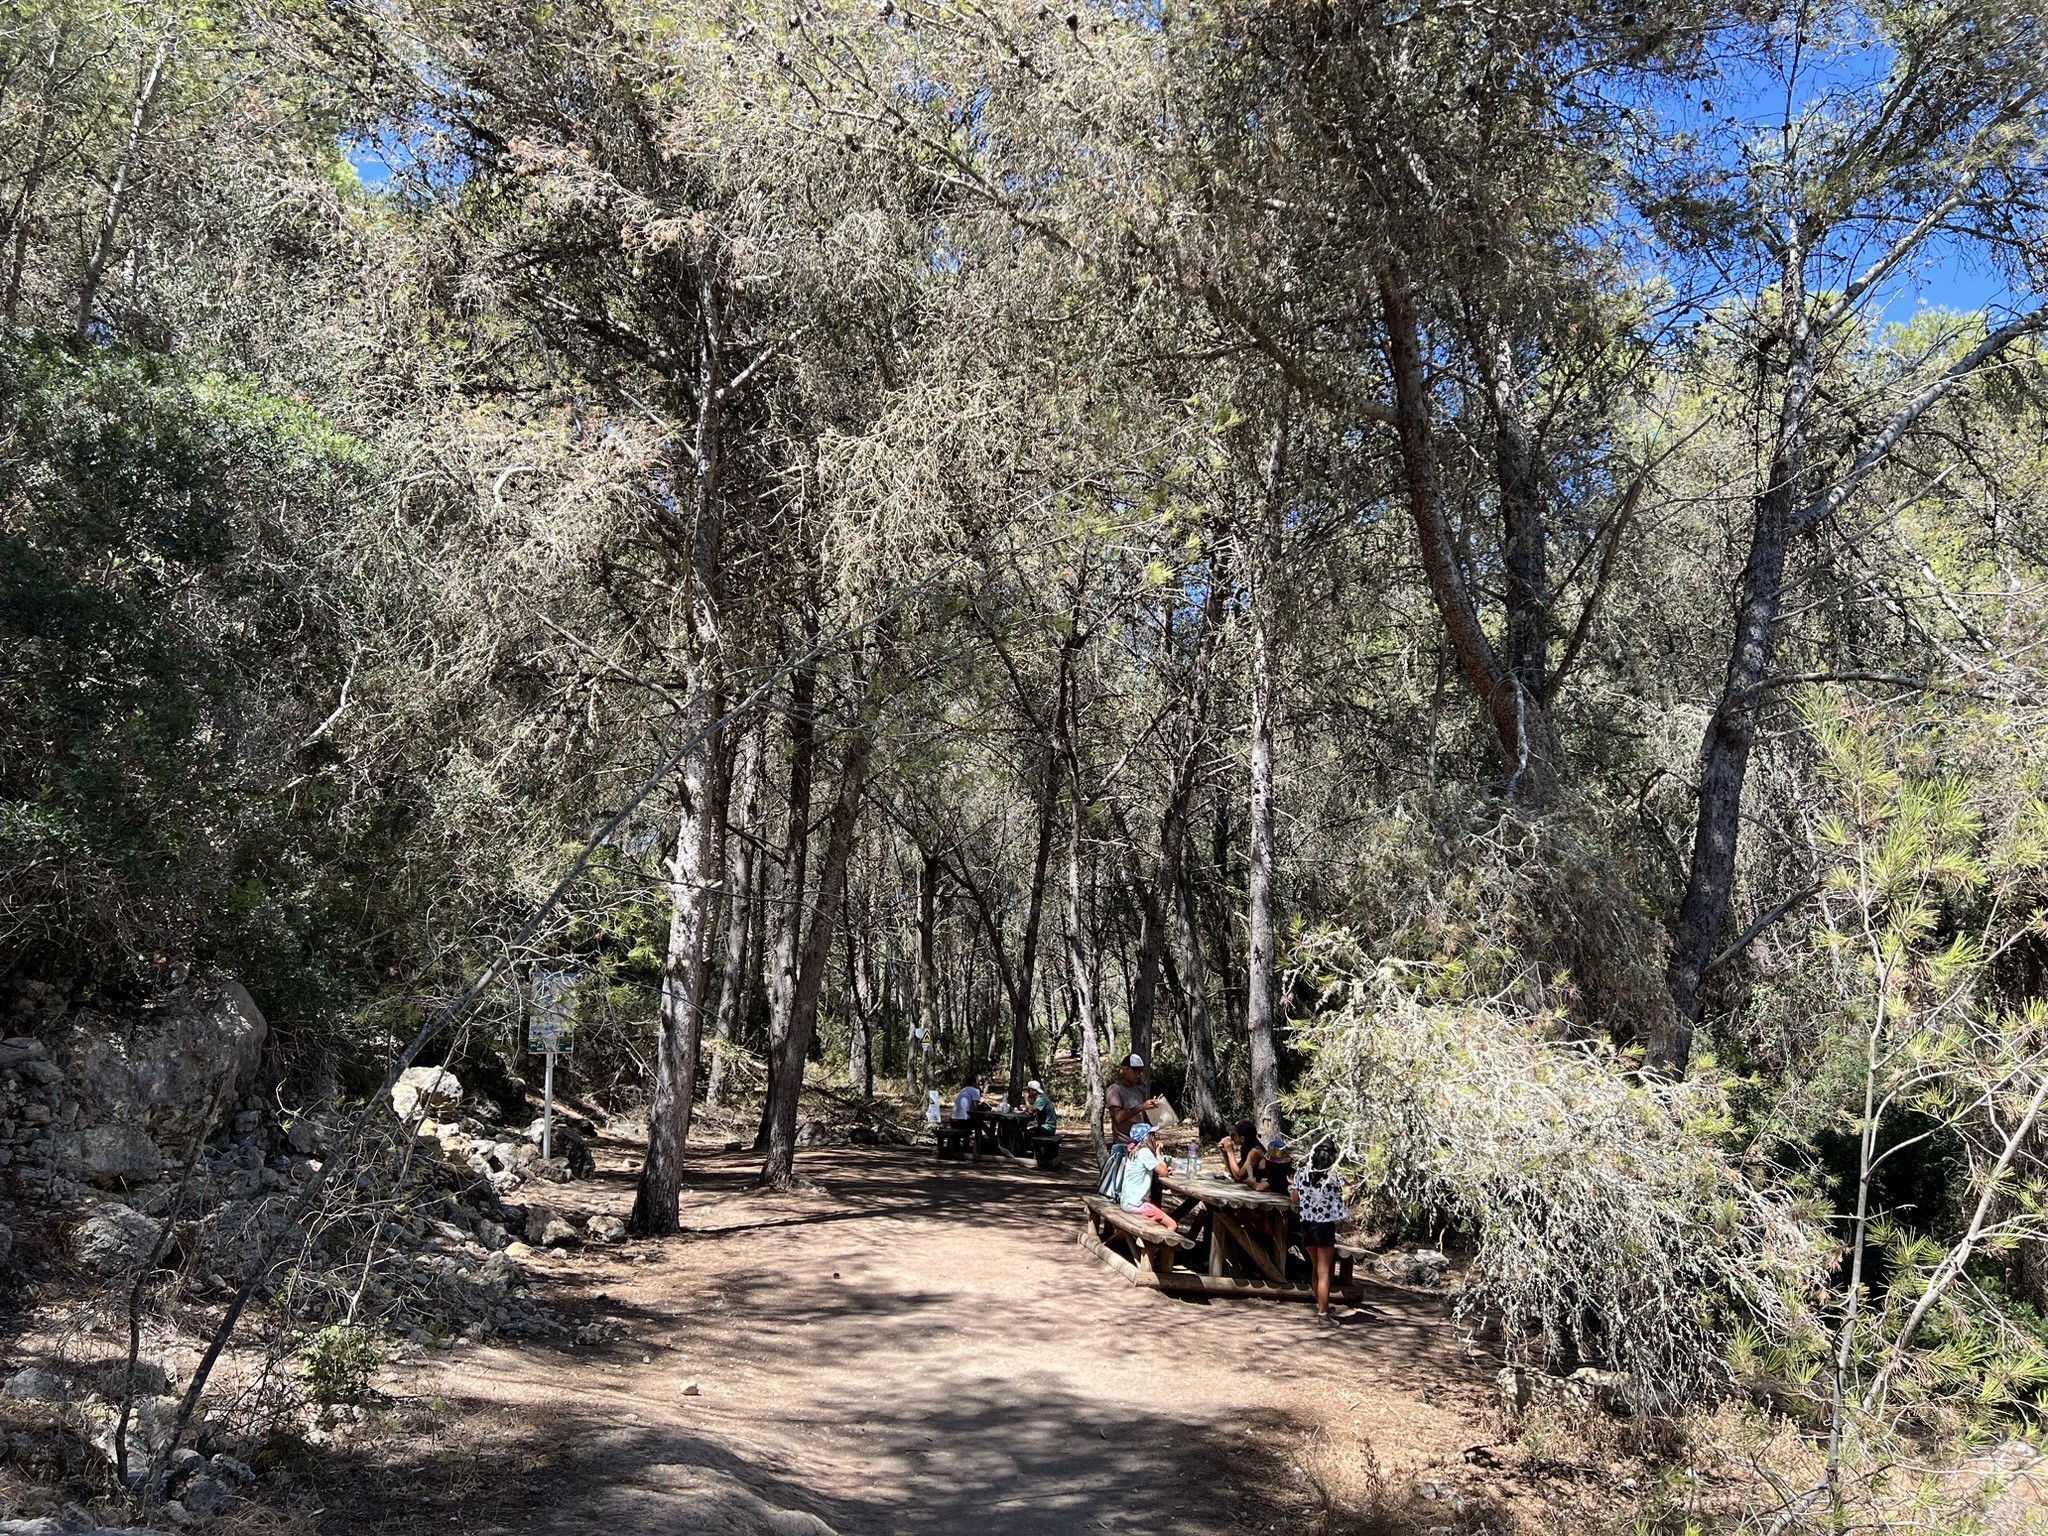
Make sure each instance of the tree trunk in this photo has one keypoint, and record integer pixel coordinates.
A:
(1522, 530)
(786, 1087)
(1203, 1104)
(782, 981)
(739, 916)
(927, 971)
(32, 182)
(1519, 719)
(1013, 996)
(1023, 1047)
(1730, 734)
(1086, 992)
(119, 187)
(1260, 985)
(860, 1037)
(1156, 898)
(693, 894)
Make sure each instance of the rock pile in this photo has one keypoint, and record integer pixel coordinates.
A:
(99, 1113)
(1424, 1267)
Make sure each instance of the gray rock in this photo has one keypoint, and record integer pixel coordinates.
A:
(6, 1242)
(20, 1049)
(426, 1090)
(150, 1422)
(307, 1136)
(237, 1472)
(160, 1068)
(1423, 1267)
(113, 1239)
(1610, 1389)
(33, 1384)
(43, 1074)
(152, 1379)
(111, 1156)
(559, 1234)
(207, 1496)
(570, 1146)
(607, 1229)
(536, 1225)
(499, 1273)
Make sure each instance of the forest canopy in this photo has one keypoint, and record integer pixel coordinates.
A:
(1468, 579)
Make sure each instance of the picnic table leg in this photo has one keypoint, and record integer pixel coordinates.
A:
(1275, 1273)
(1281, 1226)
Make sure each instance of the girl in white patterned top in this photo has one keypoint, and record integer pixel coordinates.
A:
(1319, 1206)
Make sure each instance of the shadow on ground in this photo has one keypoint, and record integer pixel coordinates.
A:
(900, 1347)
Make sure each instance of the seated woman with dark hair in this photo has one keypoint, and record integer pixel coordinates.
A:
(1242, 1153)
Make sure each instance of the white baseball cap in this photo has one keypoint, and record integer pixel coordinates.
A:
(1033, 1086)
(1135, 1060)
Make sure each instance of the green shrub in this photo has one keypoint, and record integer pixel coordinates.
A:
(338, 1363)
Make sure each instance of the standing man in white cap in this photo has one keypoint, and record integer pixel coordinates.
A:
(1128, 1103)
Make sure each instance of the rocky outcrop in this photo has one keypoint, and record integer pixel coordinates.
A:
(110, 1156)
(160, 1068)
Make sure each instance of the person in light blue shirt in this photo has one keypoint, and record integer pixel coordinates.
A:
(1140, 1164)
(966, 1100)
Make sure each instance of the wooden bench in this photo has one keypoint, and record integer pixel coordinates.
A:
(1348, 1255)
(951, 1139)
(1149, 1247)
(1045, 1149)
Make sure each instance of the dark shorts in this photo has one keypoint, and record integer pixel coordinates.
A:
(1318, 1234)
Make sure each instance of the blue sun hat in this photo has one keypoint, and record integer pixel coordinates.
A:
(1139, 1132)
(1277, 1144)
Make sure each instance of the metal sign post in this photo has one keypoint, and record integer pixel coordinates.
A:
(547, 1108)
(549, 1032)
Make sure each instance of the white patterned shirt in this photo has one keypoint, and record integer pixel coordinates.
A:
(1321, 1199)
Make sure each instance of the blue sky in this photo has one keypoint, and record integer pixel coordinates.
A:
(1744, 92)
(373, 159)
(1757, 80)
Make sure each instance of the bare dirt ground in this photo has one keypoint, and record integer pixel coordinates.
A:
(913, 1347)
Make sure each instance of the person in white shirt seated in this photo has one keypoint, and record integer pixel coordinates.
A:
(965, 1100)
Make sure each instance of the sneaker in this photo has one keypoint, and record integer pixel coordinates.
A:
(1326, 1320)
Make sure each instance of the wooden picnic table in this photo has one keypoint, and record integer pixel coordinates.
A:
(1010, 1129)
(1247, 1228)
(1248, 1231)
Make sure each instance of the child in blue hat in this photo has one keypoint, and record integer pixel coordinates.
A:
(1139, 1166)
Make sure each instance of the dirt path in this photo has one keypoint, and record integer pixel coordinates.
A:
(907, 1347)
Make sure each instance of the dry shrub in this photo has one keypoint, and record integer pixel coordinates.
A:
(1609, 1225)
(1535, 907)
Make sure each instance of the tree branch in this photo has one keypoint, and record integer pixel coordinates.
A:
(1880, 447)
